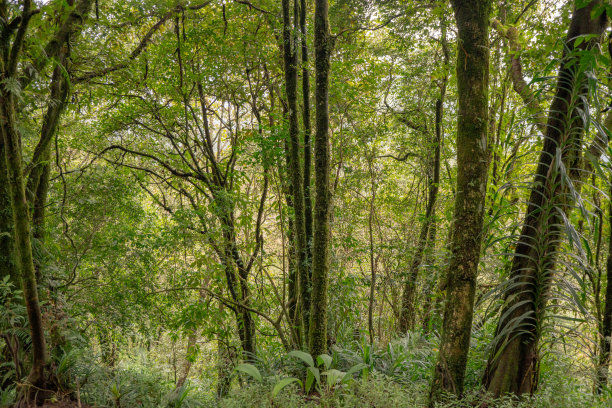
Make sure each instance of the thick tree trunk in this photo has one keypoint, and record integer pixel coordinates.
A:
(514, 362)
(23, 246)
(606, 340)
(321, 236)
(290, 52)
(7, 261)
(472, 18)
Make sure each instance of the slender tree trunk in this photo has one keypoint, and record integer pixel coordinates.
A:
(472, 18)
(372, 260)
(186, 368)
(514, 362)
(39, 170)
(307, 132)
(430, 285)
(433, 192)
(407, 314)
(431, 291)
(224, 368)
(321, 234)
(290, 52)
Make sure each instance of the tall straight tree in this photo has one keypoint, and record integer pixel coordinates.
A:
(472, 17)
(307, 133)
(513, 364)
(290, 53)
(321, 236)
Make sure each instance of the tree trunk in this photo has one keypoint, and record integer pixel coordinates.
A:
(224, 367)
(433, 193)
(472, 18)
(606, 341)
(321, 235)
(39, 169)
(290, 52)
(430, 285)
(407, 314)
(307, 132)
(513, 363)
(23, 246)
(372, 260)
(7, 261)
(191, 343)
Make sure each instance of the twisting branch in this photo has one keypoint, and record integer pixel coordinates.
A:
(165, 165)
(401, 158)
(54, 46)
(146, 40)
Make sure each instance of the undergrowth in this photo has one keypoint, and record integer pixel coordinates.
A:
(397, 376)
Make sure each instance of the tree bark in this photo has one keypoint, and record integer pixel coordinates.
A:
(23, 244)
(186, 368)
(307, 133)
(371, 248)
(290, 52)
(513, 365)
(7, 261)
(321, 235)
(606, 340)
(472, 17)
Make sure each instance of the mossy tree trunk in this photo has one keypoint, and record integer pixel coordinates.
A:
(22, 238)
(606, 331)
(11, 139)
(472, 17)
(290, 54)
(28, 186)
(513, 365)
(307, 133)
(321, 235)
(7, 262)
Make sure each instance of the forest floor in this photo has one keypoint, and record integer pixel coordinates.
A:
(66, 404)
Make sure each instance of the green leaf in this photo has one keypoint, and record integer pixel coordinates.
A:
(312, 374)
(11, 85)
(333, 376)
(349, 374)
(325, 360)
(283, 383)
(249, 369)
(305, 357)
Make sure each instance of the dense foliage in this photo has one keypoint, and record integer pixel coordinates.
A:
(300, 203)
